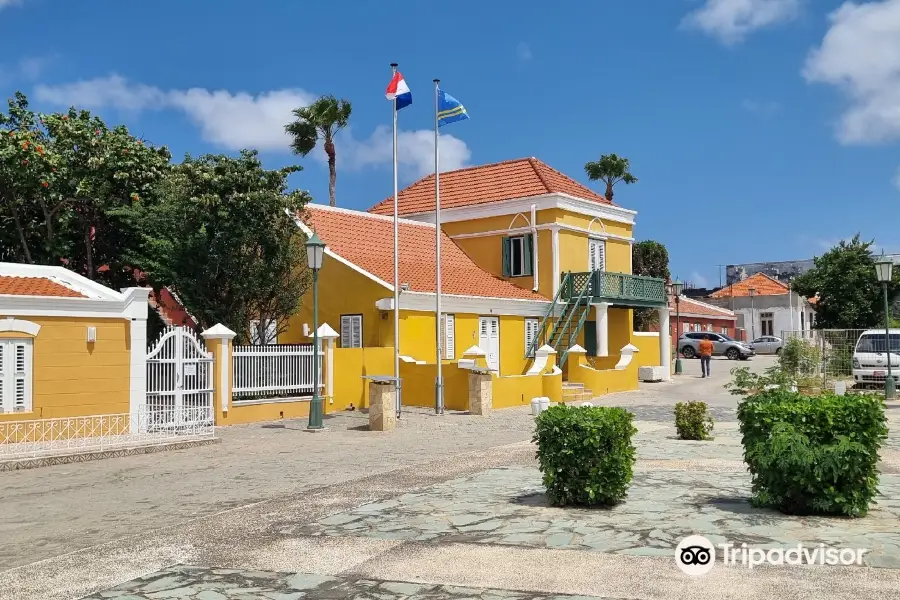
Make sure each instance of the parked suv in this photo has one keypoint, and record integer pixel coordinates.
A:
(688, 345)
(870, 357)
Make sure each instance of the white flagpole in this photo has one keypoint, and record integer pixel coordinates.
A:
(397, 385)
(440, 327)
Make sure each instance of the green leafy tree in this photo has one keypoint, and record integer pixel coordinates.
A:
(321, 120)
(68, 185)
(650, 259)
(224, 236)
(105, 174)
(850, 296)
(611, 169)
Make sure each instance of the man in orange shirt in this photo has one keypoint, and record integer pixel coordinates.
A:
(706, 352)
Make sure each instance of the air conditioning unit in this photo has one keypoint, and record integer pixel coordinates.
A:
(651, 373)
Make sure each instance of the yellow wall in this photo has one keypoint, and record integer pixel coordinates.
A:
(649, 350)
(418, 385)
(602, 382)
(515, 390)
(74, 378)
(342, 291)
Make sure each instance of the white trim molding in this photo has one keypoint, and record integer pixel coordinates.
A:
(474, 305)
(557, 227)
(588, 208)
(19, 326)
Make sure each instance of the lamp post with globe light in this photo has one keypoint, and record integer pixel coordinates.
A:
(677, 287)
(315, 252)
(884, 270)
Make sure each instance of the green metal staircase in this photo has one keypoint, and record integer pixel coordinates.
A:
(561, 332)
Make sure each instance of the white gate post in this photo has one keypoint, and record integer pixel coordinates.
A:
(327, 334)
(137, 313)
(221, 367)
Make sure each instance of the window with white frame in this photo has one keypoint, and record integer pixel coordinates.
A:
(351, 331)
(767, 323)
(685, 327)
(596, 254)
(270, 333)
(15, 375)
(517, 256)
(531, 332)
(724, 331)
(449, 336)
(709, 326)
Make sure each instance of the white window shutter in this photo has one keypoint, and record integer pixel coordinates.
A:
(272, 332)
(483, 325)
(449, 337)
(4, 387)
(356, 331)
(346, 333)
(531, 329)
(15, 375)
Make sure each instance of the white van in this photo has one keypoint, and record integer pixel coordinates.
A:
(870, 357)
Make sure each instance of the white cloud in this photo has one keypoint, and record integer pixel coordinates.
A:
(698, 280)
(763, 110)
(241, 120)
(860, 54)
(5, 3)
(731, 21)
(32, 67)
(523, 52)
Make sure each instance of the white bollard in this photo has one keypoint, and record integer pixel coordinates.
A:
(544, 403)
(840, 388)
(535, 406)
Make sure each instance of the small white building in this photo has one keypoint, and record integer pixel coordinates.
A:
(765, 306)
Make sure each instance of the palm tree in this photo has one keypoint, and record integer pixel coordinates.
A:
(320, 120)
(610, 169)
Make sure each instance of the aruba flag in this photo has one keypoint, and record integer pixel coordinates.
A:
(450, 110)
(398, 90)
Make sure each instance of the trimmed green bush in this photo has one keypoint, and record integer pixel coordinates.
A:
(813, 454)
(585, 454)
(693, 421)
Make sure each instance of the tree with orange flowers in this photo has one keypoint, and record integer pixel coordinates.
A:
(68, 187)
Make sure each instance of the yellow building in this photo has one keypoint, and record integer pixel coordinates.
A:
(69, 347)
(529, 257)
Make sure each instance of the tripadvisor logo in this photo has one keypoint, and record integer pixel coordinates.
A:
(695, 555)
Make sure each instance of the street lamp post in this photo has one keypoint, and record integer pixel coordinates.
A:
(315, 252)
(677, 287)
(752, 292)
(883, 268)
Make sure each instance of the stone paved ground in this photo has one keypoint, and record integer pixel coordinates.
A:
(193, 583)
(274, 512)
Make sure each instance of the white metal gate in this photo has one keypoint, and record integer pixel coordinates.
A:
(179, 381)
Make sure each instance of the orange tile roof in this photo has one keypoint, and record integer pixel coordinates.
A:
(367, 241)
(692, 306)
(35, 286)
(764, 285)
(519, 178)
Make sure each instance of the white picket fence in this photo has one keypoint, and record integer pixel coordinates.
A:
(274, 371)
(98, 433)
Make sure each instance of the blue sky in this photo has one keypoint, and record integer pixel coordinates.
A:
(759, 129)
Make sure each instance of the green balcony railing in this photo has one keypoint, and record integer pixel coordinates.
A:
(619, 288)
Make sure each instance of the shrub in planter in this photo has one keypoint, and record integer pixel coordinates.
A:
(693, 421)
(813, 454)
(585, 454)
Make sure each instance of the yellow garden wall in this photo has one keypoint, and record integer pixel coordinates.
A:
(350, 365)
(73, 377)
(418, 385)
(649, 349)
(516, 390)
(602, 382)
